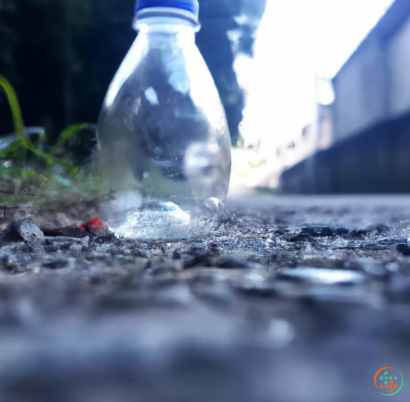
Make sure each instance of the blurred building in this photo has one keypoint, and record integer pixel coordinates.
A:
(370, 139)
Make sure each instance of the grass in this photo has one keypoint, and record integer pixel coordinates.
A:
(45, 176)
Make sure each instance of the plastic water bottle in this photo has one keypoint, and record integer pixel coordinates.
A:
(165, 148)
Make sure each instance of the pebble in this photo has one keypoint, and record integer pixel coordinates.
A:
(391, 241)
(403, 249)
(59, 263)
(22, 230)
(76, 248)
(322, 276)
(231, 263)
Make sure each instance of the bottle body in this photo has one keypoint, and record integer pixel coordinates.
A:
(163, 138)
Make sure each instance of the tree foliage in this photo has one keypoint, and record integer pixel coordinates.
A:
(60, 55)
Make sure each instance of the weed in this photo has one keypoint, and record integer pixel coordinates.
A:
(50, 172)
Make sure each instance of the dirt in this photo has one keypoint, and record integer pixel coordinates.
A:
(289, 300)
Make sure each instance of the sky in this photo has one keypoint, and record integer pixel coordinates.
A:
(297, 40)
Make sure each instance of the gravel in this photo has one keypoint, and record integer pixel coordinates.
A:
(289, 300)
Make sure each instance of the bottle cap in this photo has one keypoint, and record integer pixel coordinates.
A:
(186, 9)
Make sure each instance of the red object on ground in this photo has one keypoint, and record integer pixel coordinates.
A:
(95, 225)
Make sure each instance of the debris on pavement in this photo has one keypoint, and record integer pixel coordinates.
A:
(22, 230)
(279, 292)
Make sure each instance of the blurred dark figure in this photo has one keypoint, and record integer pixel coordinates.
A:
(228, 29)
(61, 55)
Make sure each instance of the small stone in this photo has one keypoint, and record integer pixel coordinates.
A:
(107, 238)
(66, 240)
(255, 285)
(59, 263)
(67, 232)
(11, 265)
(403, 249)
(231, 263)
(318, 231)
(382, 228)
(341, 231)
(76, 248)
(297, 238)
(22, 230)
(214, 248)
(198, 259)
(322, 276)
(85, 241)
(391, 241)
(308, 232)
(359, 233)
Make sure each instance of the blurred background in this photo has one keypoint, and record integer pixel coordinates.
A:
(316, 92)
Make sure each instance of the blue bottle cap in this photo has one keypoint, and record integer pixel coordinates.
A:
(187, 9)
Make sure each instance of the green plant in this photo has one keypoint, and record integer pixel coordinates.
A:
(14, 106)
(17, 151)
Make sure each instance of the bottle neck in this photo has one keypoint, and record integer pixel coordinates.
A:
(167, 25)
